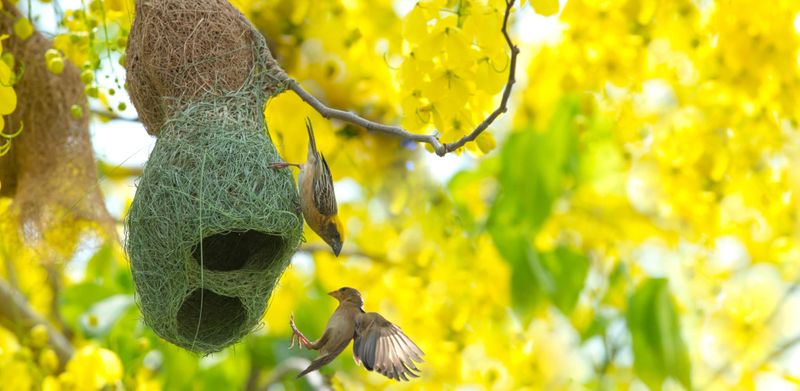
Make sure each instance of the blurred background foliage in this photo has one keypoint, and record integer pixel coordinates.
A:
(631, 223)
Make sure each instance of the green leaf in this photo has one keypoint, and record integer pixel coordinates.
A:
(532, 172)
(561, 274)
(76, 299)
(124, 337)
(597, 327)
(659, 350)
(101, 266)
(461, 190)
(223, 371)
(102, 316)
(517, 251)
(180, 368)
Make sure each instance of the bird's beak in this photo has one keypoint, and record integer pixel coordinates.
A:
(337, 248)
(334, 294)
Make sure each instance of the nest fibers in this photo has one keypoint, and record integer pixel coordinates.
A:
(182, 50)
(212, 226)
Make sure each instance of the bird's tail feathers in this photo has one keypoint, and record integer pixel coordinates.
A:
(312, 143)
(316, 364)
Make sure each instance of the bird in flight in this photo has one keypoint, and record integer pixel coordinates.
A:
(378, 345)
(317, 199)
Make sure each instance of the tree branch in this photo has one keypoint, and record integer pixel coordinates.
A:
(781, 349)
(432, 139)
(14, 309)
(54, 281)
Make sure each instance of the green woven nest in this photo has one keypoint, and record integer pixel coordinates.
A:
(211, 185)
(212, 227)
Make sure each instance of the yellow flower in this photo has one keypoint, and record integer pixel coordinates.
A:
(48, 360)
(51, 383)
(39, 336)
(8, 342)
(146, 382)
(8, 98)
(92, 367)
(23, 28)
(545, 7)
(741, 330)
(15, 375)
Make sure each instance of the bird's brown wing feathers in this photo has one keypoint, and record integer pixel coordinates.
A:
(324, 197)
(381, 346)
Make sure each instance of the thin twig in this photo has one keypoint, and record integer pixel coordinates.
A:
(432, 139)
(110, 115)
(118, 171)
(14, 309)
(780, 350)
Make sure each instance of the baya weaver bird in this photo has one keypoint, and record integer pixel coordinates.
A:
(317, 199)
(377, 343)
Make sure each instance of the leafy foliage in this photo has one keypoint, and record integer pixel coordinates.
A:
(659, 350)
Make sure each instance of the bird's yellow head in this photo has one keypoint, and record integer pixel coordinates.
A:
(347, 295)
(334, 234)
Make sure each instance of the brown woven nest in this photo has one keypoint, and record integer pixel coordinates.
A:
(50, 171)
(180, 50)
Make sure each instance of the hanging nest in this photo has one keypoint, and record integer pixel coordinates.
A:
(212, 227)
(50, 171)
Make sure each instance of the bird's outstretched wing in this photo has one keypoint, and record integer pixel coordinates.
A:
(381, 346)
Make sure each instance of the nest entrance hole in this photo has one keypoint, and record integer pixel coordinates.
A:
(210, 317)
(237, 250)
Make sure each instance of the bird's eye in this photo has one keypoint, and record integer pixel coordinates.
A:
(341, 289)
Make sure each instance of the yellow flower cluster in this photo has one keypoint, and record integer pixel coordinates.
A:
(36, 366)
(91, 368)
(456, 63)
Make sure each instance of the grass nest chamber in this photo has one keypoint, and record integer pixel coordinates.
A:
(212, 227)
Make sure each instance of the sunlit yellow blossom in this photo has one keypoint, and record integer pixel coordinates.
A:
(92, 367)
(8, 98)
(145, 381)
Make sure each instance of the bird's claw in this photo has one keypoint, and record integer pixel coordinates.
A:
(297, 335)
(282, 165)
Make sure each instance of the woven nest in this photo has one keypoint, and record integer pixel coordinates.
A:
(50, 171)
(212, 227)
(180, 50)
(208, 181)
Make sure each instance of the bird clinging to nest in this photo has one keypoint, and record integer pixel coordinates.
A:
(317, 199)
